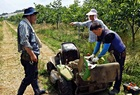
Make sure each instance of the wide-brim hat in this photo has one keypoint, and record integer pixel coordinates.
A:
(92, 12)
(29, 11)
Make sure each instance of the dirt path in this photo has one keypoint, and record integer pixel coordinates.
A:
(11, 71)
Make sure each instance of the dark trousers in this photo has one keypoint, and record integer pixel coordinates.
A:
(31, 75)
(120, 58)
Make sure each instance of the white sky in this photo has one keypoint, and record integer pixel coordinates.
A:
(8, 6)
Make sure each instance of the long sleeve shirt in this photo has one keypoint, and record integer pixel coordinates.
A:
(92, 37)
(26, 38)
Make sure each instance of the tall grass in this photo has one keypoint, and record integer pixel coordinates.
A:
(1, 38)
(55, 37)
(1, 33)
(132, 65)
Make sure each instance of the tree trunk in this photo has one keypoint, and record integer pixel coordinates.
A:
(133, 36)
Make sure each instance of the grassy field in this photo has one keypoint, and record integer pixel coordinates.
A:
(53, 38)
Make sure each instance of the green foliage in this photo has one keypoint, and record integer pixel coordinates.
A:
(132, 65)
(126, 16)
(42, 16)
(1, 18)
(56, 37)
(57, 11)
(119, 15)
(132, 71)
(16, 19)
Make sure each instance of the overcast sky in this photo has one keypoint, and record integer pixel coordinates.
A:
(8, 6)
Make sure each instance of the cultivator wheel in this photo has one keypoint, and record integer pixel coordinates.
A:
(64, 87)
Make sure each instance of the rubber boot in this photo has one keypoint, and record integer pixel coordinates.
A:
(21, 89)
(35, 87)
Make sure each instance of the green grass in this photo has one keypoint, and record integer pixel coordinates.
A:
(1, 34)
(12, 30)
(1, 38)
(53, 38)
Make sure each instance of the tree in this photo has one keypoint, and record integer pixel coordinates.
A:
(126, 16)
(56, 7)
(119, 15)
(16, 18)
(42, 13)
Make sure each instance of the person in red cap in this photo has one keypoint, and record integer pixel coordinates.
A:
(29, 45)
(92, 15)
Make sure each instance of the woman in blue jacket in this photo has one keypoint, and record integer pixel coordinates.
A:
(112, 43)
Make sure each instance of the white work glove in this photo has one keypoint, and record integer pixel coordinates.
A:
(95, 59)
(89, 57)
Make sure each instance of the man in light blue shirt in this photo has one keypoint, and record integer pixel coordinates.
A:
(28, 45)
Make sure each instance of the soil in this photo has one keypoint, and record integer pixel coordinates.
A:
(11, 71)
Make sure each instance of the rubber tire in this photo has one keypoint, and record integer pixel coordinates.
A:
(65, 87)
(50, 67)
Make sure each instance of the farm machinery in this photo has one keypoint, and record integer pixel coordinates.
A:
(75, 75)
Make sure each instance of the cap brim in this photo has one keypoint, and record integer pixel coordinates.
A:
(30, 14)
(35, 13)
(91, 13)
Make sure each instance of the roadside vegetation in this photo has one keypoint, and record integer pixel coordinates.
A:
(1, 38)
(1, 34)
